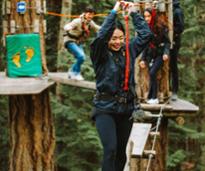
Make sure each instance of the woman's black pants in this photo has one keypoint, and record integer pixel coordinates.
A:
(114, 131)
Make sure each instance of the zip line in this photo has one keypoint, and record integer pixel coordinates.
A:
(76, 16)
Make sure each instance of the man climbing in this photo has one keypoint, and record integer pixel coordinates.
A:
(77, 31)
(178, 24)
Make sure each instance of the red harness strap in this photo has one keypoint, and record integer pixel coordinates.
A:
(86, 29)
(127, 55)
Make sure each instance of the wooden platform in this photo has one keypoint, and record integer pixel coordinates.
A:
(179, 107)
(15, 86)
(23, 85)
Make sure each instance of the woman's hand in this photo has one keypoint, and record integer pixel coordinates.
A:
(165, 57)
(117, 5)
(142, 64)
(126, 5)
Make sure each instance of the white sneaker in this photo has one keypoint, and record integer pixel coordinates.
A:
(79, 77)
(71, 74)
(153, 101)
(75, 76)
(174, 97)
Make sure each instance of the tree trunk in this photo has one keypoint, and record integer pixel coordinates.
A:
(32, 135)
(66, 9)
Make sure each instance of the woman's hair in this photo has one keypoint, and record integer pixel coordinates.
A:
(149, 10)
(152, 13)
(119, 25)
(161, 21)
(90, 9)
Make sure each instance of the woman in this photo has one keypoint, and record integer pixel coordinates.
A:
(114, 102)
(157, 52)
(77, 31)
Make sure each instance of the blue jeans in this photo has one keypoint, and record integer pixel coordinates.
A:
(114, 131)
(78, 52)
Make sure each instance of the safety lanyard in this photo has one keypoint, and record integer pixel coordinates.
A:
(127, 54)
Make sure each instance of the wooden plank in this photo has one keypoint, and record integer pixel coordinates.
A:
(183, 106)
(62, 77)
(156, 107)
(138, 136)
(22, 85)
(179, 107)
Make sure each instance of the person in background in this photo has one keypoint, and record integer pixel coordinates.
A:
(77, 31)
(157, 52)
(178, 26)
(114, 102)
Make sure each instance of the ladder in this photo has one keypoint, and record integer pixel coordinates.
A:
(138, 140)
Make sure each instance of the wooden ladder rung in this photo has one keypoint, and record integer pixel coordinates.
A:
(150, 115)
(145, 154)
(148, 152)
(154, 134)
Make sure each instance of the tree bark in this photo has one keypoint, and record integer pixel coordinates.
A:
(32, 135)
(66, 9)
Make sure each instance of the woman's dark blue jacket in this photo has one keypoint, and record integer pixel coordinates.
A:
(109, 66)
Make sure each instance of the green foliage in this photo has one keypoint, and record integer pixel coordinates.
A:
(175, 159)
(4, 140)
(78, 146)
(179, 132)
(184, 144)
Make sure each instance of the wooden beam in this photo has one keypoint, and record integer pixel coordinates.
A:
(156, 107)
(62, 77)
(22, 85)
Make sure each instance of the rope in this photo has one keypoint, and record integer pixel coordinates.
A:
(155, 136)
(73, 16)
(62, 15)
(141, 3)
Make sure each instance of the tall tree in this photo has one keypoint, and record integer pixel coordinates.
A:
(32, 137)
(66, 10)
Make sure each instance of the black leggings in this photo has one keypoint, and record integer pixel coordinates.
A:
(157, 64)
(173, 65)
(114, 131)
